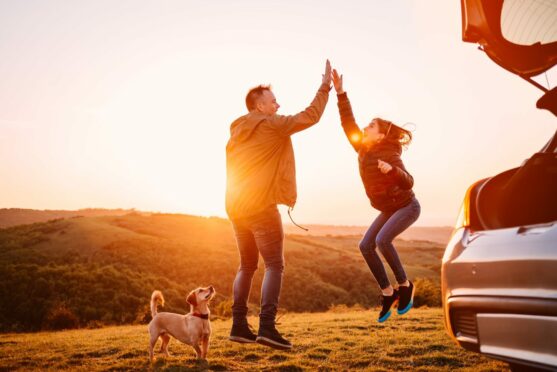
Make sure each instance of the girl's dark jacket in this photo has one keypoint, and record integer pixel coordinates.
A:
(386, 192)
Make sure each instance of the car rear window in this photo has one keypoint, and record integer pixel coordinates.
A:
(525, 22)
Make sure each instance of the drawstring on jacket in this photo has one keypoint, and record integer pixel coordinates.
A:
(289, 215)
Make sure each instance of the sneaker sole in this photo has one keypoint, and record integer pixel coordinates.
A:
(388, 314)
(275, 345)
(410, 304)
(241, 340)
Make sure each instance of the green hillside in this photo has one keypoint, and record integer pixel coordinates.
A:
(101, 270)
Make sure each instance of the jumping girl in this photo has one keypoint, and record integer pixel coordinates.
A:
(388, 186)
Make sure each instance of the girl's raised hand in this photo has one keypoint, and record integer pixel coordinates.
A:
(383, 166)
(337, 82)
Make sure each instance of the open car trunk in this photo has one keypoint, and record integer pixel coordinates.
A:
(522, 196)
(520, 36)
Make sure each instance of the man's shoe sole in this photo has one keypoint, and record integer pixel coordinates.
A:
(271, 343)
(241, 340)
(410, 304)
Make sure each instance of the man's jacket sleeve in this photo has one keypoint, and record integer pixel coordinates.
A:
(290, 124)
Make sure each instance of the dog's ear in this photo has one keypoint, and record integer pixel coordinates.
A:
(192, 298)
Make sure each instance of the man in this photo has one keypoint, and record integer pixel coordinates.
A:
(261, 174)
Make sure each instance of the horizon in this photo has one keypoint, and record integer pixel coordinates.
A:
(134, 210)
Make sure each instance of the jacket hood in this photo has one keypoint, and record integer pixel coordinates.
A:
(244, 127)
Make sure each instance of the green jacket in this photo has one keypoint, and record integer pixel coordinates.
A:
(260, 167)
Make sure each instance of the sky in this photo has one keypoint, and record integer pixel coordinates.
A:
(127, 104)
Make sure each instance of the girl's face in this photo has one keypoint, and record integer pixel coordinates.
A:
(372, 134)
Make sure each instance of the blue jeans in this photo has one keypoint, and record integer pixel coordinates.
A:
(259, 234)
(381, 233)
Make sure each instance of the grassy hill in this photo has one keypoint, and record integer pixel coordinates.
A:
(345, 340)
(18, 216)
(101, 270)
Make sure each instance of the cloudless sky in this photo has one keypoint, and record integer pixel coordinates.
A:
(127, 104)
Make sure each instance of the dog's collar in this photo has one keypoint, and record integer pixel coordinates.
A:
(202, 316)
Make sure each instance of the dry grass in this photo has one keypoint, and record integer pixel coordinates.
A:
(337, 340)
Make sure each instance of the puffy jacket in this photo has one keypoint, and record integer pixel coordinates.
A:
(260, 167)
(386, 192)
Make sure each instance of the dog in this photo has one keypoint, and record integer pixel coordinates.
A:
(193, 328)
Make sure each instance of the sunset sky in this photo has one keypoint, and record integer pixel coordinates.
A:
(127, 104)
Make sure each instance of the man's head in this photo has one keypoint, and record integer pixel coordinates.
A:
(262, 99)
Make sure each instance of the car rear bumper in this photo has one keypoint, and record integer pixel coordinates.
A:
(506, 328)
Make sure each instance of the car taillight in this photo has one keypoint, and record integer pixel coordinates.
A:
(465, 224)
(464, 216)
(463, 219)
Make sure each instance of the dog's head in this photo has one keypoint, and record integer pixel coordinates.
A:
(201, 296)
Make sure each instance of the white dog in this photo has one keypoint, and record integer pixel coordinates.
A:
(193, 328)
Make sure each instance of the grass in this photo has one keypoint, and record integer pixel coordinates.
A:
(335, 340)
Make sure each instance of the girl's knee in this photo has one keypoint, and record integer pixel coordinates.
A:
(383, 242)
(366, 248)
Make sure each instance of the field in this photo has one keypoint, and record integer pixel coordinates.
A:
(344, 339)
(96, 273)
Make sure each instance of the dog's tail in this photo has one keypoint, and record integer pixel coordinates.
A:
(156, 299)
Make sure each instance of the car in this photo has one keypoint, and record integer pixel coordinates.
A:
(499, 269)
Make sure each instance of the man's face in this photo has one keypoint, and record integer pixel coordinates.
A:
(267, 103)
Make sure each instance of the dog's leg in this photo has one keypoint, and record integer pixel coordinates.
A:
(204, 346)
(164, 346)
(152, 341)
(198, 351)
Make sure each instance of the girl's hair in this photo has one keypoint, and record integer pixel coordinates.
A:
(393, 133)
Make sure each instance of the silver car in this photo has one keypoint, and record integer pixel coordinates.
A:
(499, 270)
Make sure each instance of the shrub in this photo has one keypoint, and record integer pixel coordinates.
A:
(60, 317)
(223, 309)
(428, 293)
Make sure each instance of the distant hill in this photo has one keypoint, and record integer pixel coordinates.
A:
(18, 216)
(103, 269)
(435, 234)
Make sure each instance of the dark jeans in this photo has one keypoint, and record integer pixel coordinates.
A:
(259, 234)
(381, 233)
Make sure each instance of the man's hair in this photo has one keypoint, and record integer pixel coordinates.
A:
(254, 94)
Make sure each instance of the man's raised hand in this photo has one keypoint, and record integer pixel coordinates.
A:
(327, 74)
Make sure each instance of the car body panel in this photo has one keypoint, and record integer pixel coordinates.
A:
(503, 279)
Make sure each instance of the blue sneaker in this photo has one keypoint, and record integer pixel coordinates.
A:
(388, 303)
(406, 295)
